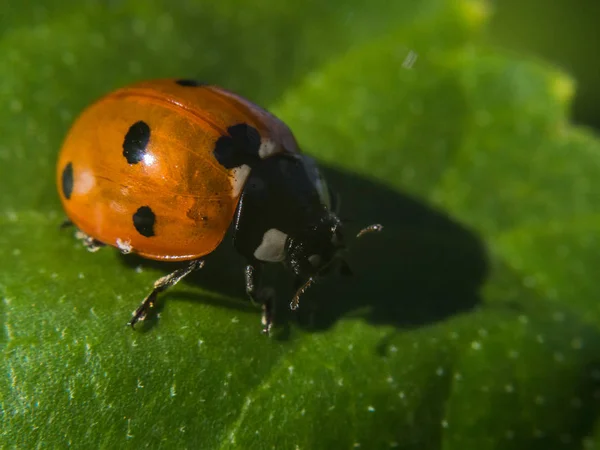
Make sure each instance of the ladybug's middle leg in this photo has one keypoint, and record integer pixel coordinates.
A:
(258, 294)
(160, 285)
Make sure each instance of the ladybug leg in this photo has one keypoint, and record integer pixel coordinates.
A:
(91, 244)
(268, 309)
(253, 274)
(88, 242)
(161, 285)
(300, 285)
(263, 295)
(66, 224)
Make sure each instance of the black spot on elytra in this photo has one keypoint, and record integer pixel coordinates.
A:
(136, 141)
(190, 83)
(240, 147)
(143, 221)
(67, 181)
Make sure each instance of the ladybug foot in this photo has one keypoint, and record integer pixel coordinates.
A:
(141, 312)
(160, 285)
(263, 296)
(267, 295)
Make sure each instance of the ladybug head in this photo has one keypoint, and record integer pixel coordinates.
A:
(319, 250)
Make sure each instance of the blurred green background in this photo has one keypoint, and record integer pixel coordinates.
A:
(473, 321)
(564, 32)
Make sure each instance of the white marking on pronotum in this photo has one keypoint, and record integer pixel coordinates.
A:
(272, 247)
(238, 179)
(267, 148)
(410, 59)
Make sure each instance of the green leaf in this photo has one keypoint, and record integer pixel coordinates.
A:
(473, 320)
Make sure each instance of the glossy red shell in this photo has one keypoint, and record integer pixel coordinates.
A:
(191, 196)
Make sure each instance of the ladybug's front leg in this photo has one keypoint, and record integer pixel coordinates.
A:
(160, 285)
(268, 309)
(263, 295)
(253, 274)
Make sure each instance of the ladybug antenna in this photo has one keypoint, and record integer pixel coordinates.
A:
(344, 269)
(370, 229)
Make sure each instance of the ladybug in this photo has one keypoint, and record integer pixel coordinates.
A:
(163, 168)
